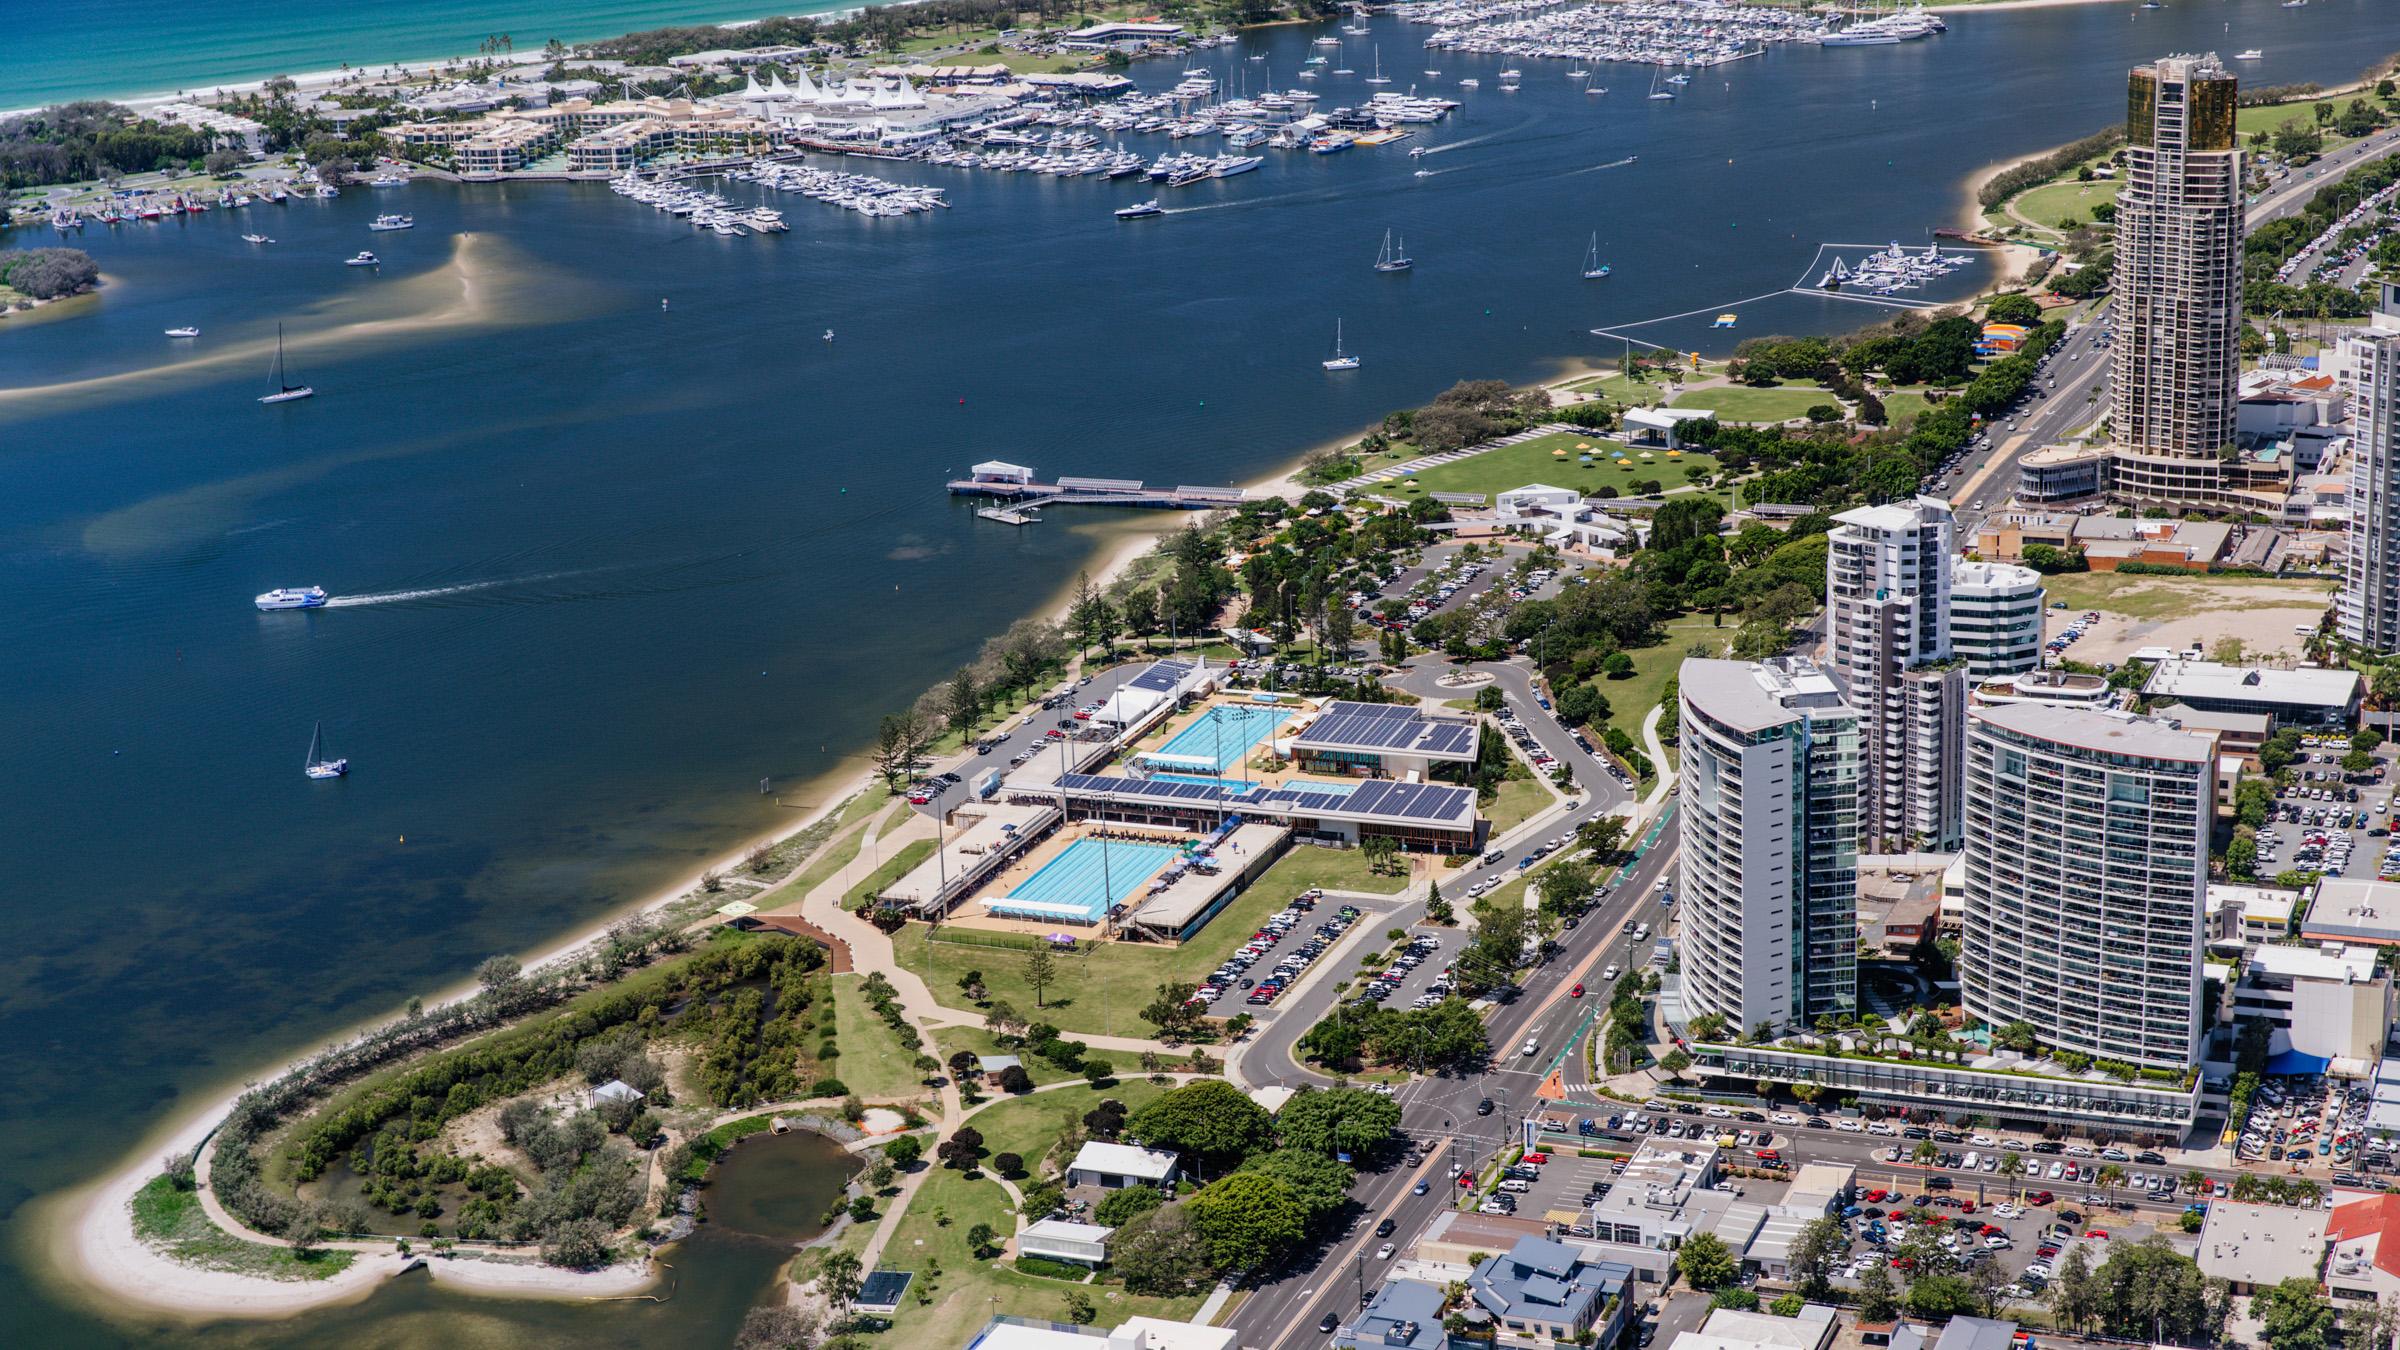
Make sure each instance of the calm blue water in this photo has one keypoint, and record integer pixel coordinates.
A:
(122, 48)
(1223, 735)
(1091, 875)
(623, 563)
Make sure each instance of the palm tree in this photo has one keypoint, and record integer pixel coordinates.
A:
(2195, 1181)
(2112, 1175)
(1925, 1152)
(2012, 1164)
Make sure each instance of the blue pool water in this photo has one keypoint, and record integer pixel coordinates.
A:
(1086, 879)
(1224, 734)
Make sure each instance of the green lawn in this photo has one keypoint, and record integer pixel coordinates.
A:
(1528, 462)
(965, 1290)
(2051, 202)
(171, 1221)
(1029, 1125)
(1517, 801)
(2141, 596)
(1338, 869)
(1745, 403)
(894, 867)
(1618, 389)
(873, 1062)
(1905, 402)
(1103, 987)
(1631, 699)
(975, 1040)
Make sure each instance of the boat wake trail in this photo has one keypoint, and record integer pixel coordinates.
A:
(1612, 164)
(441, 592)
(1473, 140)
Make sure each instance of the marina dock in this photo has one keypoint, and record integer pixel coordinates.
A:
(1025, 495)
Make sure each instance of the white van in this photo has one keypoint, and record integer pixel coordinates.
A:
(1515, 1186)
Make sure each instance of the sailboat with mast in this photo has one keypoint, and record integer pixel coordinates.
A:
(285, 390)
(1593, 268)
(1655, 91)
(318, 765)
(1379, 77)
(1393, 259)
(1340, 360)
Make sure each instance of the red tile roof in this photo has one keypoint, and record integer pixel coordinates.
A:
(2379, 1217)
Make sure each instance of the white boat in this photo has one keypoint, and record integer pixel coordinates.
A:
(1393, 259)
(256, 239)
(1379, 77)
(1593, 268)
(1139, 210)
(392, 222)
(364, 259)
(1340, 360)
(2251, 55)
(183, 332)
(317, 766)
(1424, 173)
(285, 390)
(1578, 74)
(829, 335)
(1655, 91)
(293, 597)
(1470, 83)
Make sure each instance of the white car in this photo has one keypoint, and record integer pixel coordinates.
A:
(1849, 1126)
(1529, 1047)
(1720, 1112)
(1784, 1118)
(1384, 1252)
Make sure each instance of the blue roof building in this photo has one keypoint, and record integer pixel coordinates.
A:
(1545, 1290)
(1404, 1315)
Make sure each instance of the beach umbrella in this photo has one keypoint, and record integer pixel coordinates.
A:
(1646, 454)
(1624, 463)
(1583, 445)
(1674, 454)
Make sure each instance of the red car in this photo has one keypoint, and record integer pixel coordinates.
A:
(1537, 1159)
(2099, 1233)
(1576, 992)
(918, 799)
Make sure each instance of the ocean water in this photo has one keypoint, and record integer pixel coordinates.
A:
(126, 48)
(607, 566)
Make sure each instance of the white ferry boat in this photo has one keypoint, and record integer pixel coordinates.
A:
(294, 597)
(391, 222)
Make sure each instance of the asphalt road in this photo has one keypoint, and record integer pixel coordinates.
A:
(1024, 731)
(1341, 1272)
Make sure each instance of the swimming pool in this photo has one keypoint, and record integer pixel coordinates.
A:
(1082, 882)
(1222, 737)
(1233, 785)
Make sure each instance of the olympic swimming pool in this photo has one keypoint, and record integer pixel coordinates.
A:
(1082, 882)
(1222, 737)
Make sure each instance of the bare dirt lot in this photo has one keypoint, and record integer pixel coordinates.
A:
(2268, 615)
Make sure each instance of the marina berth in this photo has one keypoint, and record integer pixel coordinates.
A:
(1653, 32)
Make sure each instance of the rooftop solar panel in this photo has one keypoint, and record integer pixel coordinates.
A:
(1162, 676)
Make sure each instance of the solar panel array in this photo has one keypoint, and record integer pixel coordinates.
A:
(1388, 726)
(1432, 803)
(1161, 677)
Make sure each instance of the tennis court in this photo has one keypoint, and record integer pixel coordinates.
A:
(1085, 880)
(1221, 738)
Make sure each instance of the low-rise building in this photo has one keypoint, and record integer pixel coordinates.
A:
(1977, 1333)
(1116, 1166)
(2246, 915)
(2256, 1247)
(1383, 740)
(2353, 909)
(1900, 906)
(1544, 1292)
(1647, 1204)
(1134, 1333)
(2304, 696)
(1733, 1329)
(2044, 686)
(2330, 1005)
(230, 129)
(1403, 1315)
(2364, 1264)
(1084, 1244)
(2238, 733)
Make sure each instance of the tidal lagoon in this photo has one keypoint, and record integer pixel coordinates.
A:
(604, 566)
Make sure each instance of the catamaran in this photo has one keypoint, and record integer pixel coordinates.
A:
(285, 390)
(317, 766)
(1340, 360)
(293, 597)
(1393, 259)
(1593, 268)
